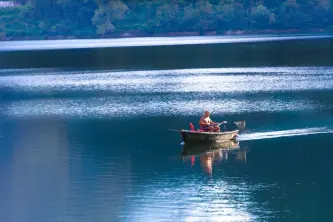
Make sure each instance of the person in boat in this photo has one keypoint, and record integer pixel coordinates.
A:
(207, 125)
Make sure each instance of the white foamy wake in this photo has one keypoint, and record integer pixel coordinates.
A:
(284, 133)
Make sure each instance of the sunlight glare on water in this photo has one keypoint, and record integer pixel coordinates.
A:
(215, 201)
(157, 93)
(95, 145)
(201, 80)
(125, 92)
(131, 107)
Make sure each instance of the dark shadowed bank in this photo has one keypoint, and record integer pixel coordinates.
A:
(246, 52)
(64, 19)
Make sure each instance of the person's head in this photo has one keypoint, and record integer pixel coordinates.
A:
(207, 113)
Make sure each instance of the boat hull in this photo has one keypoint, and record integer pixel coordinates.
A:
(199, 148)
(207, 137)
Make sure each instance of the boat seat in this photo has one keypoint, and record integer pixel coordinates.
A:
(193, 129)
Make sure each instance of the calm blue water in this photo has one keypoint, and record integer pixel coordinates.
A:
(170, 52)
(94, 146)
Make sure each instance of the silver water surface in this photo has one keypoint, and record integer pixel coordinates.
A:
(165, 92)
(94, 146)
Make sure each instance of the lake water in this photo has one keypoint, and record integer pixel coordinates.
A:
(94, 145)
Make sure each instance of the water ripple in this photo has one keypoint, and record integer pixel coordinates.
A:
(166, 92)
(187, 80)
(197, 200)
(129, 108)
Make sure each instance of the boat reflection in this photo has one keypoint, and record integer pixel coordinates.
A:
(213, 153)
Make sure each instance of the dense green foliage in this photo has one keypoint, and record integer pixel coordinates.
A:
(96, 18)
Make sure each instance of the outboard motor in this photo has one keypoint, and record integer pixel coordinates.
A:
(231, 126)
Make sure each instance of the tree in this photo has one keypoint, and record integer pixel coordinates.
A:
(44, 8)
(22, 2)
(261, 17)
(290, 15)
(231, 16)
(106, 14)
(322, 12)
(167, 16)
(101, 17)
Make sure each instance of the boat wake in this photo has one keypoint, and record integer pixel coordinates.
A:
(284, 133)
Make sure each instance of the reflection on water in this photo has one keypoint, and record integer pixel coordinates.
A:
(49, 173)
(60, 170)
(116, 160)
(193, 199)
(210, 154)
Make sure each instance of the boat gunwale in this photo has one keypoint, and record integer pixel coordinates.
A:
(209, 133)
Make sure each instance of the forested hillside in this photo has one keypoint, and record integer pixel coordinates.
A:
(42, 19)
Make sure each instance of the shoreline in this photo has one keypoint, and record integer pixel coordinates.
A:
(136, 33)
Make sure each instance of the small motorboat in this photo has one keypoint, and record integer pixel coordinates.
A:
(229, 132)
(207, 137)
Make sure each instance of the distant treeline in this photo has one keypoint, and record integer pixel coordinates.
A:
(41, 19)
